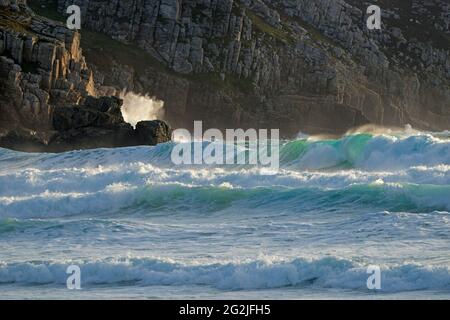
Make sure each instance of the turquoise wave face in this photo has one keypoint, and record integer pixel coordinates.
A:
(390, 197)
(338, 154)
(366, 152)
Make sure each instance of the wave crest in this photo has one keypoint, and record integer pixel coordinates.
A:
(328, 272)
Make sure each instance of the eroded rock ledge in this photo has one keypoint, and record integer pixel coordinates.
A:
(98, 123)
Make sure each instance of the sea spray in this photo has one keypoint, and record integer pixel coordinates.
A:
(140, 108)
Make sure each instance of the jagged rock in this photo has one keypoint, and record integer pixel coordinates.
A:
(153, 132)
(99, 123)
(75, 117)
(93, 137)
(110, 105)
(48, 98)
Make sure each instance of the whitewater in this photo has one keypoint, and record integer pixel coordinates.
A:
(139, 226)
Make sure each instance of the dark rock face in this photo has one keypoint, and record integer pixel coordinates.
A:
(86, 127)
(153, 132)
(99, 123)
(48, 97)
(92, 137)
(103, 112)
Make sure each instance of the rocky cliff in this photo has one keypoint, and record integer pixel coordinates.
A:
(48, 100)
(309, 65)
(297, 65)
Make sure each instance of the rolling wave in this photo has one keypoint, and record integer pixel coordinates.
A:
(126, 199)
(382, 172)
(327, 272)
(360, 151)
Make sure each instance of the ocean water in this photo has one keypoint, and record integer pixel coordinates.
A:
(140, 227)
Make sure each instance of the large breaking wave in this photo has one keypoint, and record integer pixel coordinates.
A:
(397, 173)
(363, 151)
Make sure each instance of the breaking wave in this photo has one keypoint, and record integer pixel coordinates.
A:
(360, 151)
(328, 272)
(123, 199)
(397, 173)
